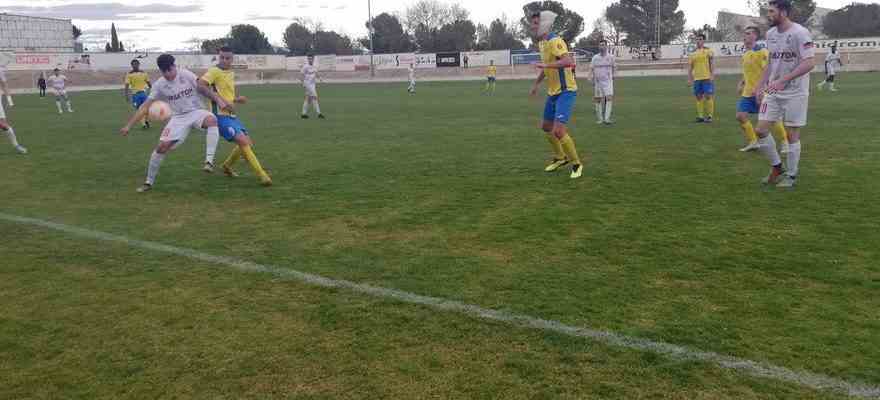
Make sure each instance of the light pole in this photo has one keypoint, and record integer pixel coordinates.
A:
(372, 47)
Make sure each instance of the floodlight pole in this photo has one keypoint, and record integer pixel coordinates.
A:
(659, 8)
(372, 47)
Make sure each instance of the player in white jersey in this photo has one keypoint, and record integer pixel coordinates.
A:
(832, 62)
(58, 83)
(4, 89)
(10, 133)
(602, 70)
(785, 90)
(310, 81)
(180, 89)
(412, 79)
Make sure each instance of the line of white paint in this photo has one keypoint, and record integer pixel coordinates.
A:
(675, 352)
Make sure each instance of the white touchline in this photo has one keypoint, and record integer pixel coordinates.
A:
(749, 367)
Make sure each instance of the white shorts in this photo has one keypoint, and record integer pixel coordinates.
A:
(603, 89)
(60, 92)
(831, 71)
(177, 129)
(791, 111)
(311, 90)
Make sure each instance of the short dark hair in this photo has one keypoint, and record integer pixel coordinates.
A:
(225, 49)
(755, 29)
(701, 36)
(165, 62)
(536, 14)
(135, 61)
(603, 41)
(782, 5)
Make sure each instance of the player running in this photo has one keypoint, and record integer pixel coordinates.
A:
(137, 81)
(602, 70)
(177, 87)
(41, 84)
(491, 77)
(556, 67)
(221, 79)
(10, 133)
(4, 89)
(58, 82)
(754, 62)
(701, 75)
(785, 88)
(412, 79)
(832, 62)
(309, 81)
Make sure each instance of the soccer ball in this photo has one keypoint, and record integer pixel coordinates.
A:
(160, 111)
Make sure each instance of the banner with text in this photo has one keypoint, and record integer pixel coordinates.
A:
(482, 58)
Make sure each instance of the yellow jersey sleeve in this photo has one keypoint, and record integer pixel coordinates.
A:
(211, 75)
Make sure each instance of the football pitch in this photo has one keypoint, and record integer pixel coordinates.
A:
(212, 287)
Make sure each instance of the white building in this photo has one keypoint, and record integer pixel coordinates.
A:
(20, 33)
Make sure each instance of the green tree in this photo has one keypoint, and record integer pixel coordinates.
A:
(712, 34)
(569, 24)
(330, 42)
(638, 20)
(248, 39)
(211, 46)
(115, 46)
(498, 36)
(592, 40)
(298, 39)
(854, 20)
(388, 36)
(456, 36)
(76, 32)
(426, 18)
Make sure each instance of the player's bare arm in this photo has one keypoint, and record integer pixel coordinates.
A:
(690, 73)
(537, 83)
(565, 61)
(138, 115)
(205, 90)
(127, 93)
(806, 65)
(711, 68)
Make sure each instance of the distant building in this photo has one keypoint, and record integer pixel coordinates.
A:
(20, 33)
(732, 24)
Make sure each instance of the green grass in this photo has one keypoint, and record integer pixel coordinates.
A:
(668, 237)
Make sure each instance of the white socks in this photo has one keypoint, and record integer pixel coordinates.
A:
(12, 139)
(58, 104)
(213, 136)
(153, 168)
(305, 107)
(768, 148)
(317, 107)
(599, 112)
(794, 158)
(608, 106)
(69, 107)
(9, 100)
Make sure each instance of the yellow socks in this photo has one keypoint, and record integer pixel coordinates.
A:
(700, 112)
(255, 164)
(749, 131)
(570, 151)
(556, 146)
(710, 106)
(233, 157)
(780, 132)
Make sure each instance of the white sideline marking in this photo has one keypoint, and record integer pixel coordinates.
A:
(672, 351)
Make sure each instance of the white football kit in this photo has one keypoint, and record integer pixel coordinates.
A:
(787, 50)
(58, 84)
(832, 61)
(603, 75)
(187, 110)
(310, 78)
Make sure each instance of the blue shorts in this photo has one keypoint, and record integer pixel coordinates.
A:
(747, 105)
(491, 79)
(230, 127)
(559, 108)
(138, 99)
(704, 87)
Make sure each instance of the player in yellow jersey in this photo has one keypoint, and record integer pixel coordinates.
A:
(491, 77)
(136, 84)
(701, 75)
(754, 62)
(556, 67)
(221, 79)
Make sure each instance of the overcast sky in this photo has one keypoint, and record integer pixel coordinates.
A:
(175, 24)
